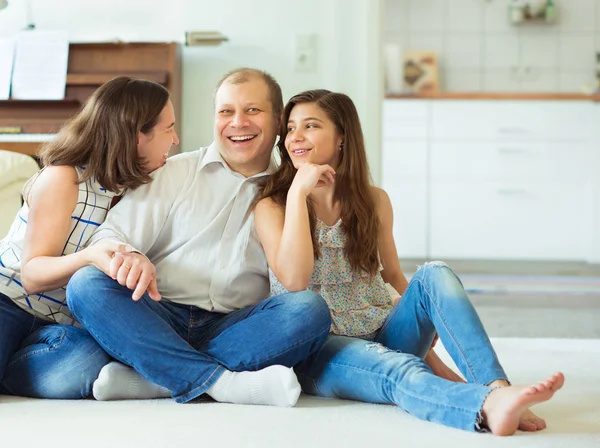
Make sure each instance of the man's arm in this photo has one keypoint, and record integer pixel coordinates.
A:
(137, 221)
(140, 215)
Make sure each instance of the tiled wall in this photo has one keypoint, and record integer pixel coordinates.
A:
(479, 50)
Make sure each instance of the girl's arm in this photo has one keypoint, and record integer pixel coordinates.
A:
(285, 234)
(392, 273)
(286, 239)
(52, 199)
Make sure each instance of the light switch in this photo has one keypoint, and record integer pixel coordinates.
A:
(305, 54)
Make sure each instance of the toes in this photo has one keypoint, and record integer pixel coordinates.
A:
(525, 425)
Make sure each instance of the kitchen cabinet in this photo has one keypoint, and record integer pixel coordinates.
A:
(493, 179)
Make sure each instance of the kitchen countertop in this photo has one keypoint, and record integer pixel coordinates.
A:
(496, 96)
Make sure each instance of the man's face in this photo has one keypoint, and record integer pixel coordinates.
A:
(245, 127)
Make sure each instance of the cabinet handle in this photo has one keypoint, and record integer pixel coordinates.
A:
(511, 150)
(511, 191)
(512, 130)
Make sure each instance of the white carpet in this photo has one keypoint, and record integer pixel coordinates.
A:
(573, 416)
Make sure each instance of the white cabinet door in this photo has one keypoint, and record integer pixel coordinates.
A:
(594, 200)
(500, 220)
(405, 120)
(409, 201)
(510, 161)
(404, 175)
(499, 121)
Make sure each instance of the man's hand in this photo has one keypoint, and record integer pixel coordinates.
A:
(136, 272)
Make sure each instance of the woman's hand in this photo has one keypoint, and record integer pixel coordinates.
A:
(101, 254)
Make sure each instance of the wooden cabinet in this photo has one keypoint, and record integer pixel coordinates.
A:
(500, 179)
(90, 65)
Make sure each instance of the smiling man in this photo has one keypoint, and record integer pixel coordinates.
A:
(187, 308)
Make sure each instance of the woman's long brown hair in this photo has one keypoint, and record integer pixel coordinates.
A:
(102, 137)
(360, 221)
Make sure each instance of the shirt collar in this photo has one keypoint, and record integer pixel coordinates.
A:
(213, 155)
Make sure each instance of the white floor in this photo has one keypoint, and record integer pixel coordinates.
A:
(573, 416)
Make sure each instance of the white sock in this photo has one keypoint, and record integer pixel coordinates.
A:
(274, 385)
(117, 381)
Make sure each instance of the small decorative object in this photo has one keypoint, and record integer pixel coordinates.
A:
(204, 38)
(420, 72)
(530, 11)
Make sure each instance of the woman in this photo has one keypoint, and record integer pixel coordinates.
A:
(324, 227)
(123, 133)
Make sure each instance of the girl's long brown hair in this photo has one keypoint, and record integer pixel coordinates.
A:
(102, 137)
(360, 221)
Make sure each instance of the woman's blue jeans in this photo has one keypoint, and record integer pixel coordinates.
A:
(391, 369)
(44, 360)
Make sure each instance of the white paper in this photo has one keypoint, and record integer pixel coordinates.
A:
(7, 54)
(40, 71)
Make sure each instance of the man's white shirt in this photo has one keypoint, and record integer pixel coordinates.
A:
(193, 224)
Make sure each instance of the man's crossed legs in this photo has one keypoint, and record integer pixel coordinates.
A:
(190, 351)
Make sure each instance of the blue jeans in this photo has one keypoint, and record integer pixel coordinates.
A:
(391, 369)
(185, 348)
(44, 360)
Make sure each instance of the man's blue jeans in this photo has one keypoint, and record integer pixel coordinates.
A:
(185, 348)
(391, 369)
(44, 360)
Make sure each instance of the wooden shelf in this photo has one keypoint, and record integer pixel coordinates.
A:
(66, 103)
(96, 79)
(497, 96)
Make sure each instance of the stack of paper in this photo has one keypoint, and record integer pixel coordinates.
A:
(7, 53)
(40, 70)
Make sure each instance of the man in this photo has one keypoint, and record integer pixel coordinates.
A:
(214, 331)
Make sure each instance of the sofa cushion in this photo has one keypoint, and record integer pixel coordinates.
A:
(16, 167)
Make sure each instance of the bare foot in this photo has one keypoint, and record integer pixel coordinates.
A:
(504, 407)
(531, 422)
(528, 421)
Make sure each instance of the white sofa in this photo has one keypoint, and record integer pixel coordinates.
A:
(15, 169)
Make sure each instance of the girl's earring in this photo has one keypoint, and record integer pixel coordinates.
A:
(341, 146)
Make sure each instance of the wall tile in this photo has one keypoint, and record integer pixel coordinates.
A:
(575, 81)
(461, 80)
(472, 35)
(463, 51)
(395, 16)
(576, 16)
(501, 50)
(500, 80)
(426, 42)
(577, 52)
(426, 15)
(539, 51)
(464, 16)
(495, 17)
(539, 79)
